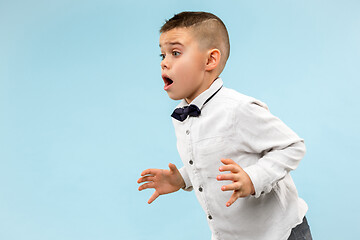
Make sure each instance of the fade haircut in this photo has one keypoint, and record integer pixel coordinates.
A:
(207, 28)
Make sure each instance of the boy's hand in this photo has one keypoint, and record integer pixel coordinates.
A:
(164, 181)
(242, 184)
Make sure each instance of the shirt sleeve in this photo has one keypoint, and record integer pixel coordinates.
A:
(185, 176)
(279, 148)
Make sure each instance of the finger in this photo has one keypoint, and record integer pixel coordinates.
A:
(149, 172)
(232, 187)
(230, 176)
(227, 161)
(231, 168)
(145, 179)
(172, 167)
(232, 199)
(153, 197)
(147, 185)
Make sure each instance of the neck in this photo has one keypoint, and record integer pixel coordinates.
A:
(207, 83)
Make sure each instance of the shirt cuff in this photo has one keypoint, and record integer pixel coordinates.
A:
(185, 176)
(256, 174)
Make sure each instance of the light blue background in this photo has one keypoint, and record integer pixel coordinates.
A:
(83, 112)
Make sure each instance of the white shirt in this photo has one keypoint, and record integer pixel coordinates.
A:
(232, 125)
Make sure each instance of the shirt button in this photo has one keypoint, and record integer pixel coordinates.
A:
(200, 189)
(187, 132)
(191, 162)
(210, 217)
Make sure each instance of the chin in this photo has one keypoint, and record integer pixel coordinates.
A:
(173, 97)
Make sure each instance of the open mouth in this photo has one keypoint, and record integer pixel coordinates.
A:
(168, 82)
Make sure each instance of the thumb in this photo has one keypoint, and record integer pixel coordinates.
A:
(172, 167)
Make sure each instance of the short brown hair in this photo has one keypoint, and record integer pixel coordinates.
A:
(208, 28)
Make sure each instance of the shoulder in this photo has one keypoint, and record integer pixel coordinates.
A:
(234, 99)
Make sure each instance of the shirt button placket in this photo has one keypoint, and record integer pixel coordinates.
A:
(191, 162)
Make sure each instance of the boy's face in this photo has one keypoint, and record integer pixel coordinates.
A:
(183, 64)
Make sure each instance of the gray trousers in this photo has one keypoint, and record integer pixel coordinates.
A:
(301, 231)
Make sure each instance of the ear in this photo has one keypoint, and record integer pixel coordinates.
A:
(213, 59)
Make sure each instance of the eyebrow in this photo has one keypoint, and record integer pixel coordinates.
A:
(173, 43)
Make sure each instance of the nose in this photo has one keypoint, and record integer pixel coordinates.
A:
(164, 64)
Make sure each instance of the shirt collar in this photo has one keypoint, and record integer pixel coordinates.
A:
(200, 100)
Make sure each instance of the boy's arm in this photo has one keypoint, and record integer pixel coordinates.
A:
(188, 185)
(162, 180)
(274, 166)
(265, 134)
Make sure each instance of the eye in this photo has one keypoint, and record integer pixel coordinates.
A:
(176, 53)
(162, 56)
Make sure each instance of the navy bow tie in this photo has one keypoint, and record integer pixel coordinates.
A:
(192, 110)
(182, 113)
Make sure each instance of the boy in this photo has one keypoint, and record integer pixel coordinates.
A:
(218, 131)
